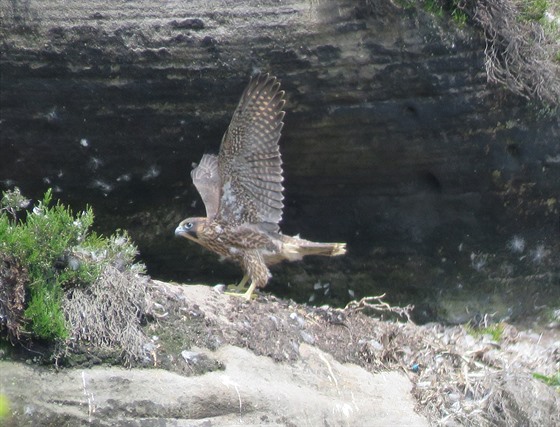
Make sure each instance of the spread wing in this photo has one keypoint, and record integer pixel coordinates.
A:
(249, 160)
(206, 179)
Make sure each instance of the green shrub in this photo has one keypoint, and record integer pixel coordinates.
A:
(58, 251)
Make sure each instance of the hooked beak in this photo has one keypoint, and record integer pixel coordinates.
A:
(183, 231)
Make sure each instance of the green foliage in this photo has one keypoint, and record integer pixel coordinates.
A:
(45, 312)
(552, 380)
(59, 251)
(544, 111)
(551, 29)
(12, 202)
(459, 15)
(495, 331)
(522, 38)
(453, 8)
(434, 6)
(533, 10)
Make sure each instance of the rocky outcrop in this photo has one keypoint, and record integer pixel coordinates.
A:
(250, 390)
(393, 141)
(214, 359)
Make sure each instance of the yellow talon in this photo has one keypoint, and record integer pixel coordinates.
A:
(239, 287)
(237, 290)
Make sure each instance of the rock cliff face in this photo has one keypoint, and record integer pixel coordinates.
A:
(392, 142)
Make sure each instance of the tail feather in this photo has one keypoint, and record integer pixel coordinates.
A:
(324, 249)
(295, 248)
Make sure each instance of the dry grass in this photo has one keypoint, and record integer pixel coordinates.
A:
(459, 379)
(519, 53)
(107, 315)
(13, 278)
(460, 375)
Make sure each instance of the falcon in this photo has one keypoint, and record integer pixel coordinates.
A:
(241, 188)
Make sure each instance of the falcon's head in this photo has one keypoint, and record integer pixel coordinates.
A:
(190, 228)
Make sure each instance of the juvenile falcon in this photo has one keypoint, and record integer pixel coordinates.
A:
(242, 188)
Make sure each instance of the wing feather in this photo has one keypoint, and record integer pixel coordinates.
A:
(206, 179)
(250, 163)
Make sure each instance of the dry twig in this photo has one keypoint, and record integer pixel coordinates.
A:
(376, 303)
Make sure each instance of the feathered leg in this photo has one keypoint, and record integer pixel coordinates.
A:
(255, 269)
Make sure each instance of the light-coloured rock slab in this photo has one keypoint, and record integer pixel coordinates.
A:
(252, 390)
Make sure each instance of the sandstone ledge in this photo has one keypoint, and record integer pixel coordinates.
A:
(213, 359)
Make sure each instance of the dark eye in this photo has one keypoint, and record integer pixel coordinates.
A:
(188, 225)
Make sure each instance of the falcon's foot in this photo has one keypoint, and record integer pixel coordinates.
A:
(239, 288)
(237, 291)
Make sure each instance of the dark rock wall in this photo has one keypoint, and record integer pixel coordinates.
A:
(393, 140)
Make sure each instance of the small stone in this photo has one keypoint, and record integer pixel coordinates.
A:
(308, 338)
(300, 321)
(189, 24)
(274, 320)
(191, 357)
(220, 288)
(208, 42)
(149, 347)
(375, 345)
